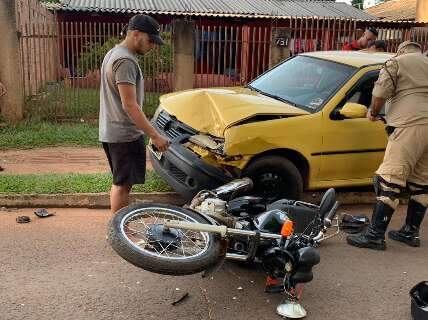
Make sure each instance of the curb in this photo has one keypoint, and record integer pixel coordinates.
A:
(101, 200)
(81, 200)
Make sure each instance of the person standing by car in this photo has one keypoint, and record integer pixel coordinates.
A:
(362, 43)
(122, 122)
(376, 46)
(403, 85)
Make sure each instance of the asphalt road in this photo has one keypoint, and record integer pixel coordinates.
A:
(61, 267)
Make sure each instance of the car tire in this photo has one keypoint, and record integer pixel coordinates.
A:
(275, 177)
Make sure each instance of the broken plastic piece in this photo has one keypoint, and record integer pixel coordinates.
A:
(184, 296)
(43, 213)
(23, 219)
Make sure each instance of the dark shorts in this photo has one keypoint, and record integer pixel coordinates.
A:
(127, 161)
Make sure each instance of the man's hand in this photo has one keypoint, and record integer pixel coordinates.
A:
(371, 117)
(160, 143)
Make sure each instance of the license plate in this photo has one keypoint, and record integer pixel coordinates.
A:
(157, 154)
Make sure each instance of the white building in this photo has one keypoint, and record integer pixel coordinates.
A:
(371, 3)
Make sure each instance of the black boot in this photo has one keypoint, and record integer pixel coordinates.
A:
(409, 233)
(374, 236)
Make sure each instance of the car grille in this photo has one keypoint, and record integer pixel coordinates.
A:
(164, 121)
(177, 173)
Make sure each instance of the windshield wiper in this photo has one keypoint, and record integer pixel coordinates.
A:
(274, 96)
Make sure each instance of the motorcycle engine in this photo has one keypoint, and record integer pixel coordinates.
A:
(212, 206)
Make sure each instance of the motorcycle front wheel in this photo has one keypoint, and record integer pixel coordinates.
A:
(137, 234)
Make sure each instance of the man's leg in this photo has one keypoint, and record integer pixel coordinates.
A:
(119, 197)
(386, 202)
(417, 186)
(128, 165)
(400, 158)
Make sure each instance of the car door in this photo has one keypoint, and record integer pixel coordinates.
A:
(352, 149)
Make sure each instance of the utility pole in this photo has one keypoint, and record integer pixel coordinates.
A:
(422, 10)
(12, 103)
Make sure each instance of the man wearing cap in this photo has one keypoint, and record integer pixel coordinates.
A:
(403, 85)
(362, 43)
(122, 122)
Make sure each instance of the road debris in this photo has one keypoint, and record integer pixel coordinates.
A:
(23, 219)
(43, 213)
(181, 299)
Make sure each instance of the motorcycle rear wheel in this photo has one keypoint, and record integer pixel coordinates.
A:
(138, 235)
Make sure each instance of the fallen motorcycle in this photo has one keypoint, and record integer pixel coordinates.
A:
(224, 224)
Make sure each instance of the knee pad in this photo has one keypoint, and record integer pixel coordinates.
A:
(387, 192)
(418, 193)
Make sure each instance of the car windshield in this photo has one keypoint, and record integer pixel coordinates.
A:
(304, 82)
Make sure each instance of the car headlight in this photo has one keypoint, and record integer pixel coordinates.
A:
(214, 144)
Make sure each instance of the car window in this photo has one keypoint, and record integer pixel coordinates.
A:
(362, 92)
(303, 81)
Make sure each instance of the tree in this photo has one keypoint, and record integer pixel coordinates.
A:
(357, 4)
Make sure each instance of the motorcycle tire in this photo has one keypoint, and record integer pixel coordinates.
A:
(158, 255)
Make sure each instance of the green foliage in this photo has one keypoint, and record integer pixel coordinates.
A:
(42, 134)
(157, 61)
(94, 54)
(357, 4)
(75, 103)
(73, 183)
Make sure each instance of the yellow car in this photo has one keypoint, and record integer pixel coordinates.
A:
(300, 125)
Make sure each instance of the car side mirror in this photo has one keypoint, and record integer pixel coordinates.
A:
(353, 110)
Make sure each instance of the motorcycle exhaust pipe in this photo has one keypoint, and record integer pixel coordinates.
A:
(237, 257)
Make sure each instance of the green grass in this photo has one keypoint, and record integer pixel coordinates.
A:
(73, 183)
(42, 134)
(57, 102)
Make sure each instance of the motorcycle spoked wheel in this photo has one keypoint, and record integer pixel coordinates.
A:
(138, 235)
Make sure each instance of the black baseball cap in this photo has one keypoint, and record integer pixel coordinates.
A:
(374, 31)
(147, 24)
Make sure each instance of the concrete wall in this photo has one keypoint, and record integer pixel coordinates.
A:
(422, 10)
(12, 102)
(184, 60)
(279, 50)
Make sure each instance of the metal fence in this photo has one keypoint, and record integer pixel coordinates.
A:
(61, 60)
(229, 55)
(72, 89)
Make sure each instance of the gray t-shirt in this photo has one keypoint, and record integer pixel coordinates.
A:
(119, 66)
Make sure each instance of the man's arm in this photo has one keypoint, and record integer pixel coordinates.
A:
(128, 96)
(384, 88)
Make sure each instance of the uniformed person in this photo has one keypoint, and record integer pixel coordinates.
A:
(403, 86)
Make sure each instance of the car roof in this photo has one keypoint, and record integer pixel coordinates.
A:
(353, 58)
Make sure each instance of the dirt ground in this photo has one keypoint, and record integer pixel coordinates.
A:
(55, 160)
(61, 267)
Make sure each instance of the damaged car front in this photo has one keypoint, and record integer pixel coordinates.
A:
(197, 122)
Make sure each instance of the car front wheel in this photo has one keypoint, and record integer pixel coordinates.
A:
(274, 178)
